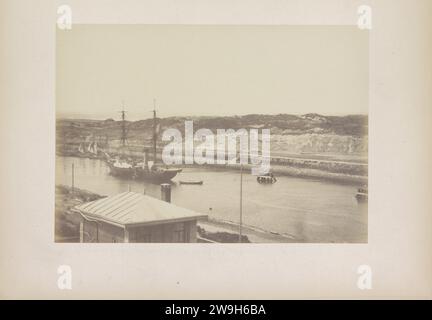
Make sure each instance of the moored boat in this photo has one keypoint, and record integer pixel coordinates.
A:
(151, 170)
(81, 148)
(91, 151)
(121, 165)
(362, 194)
(193, 182)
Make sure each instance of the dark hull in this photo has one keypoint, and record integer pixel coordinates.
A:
(266, 179)
(192, 182)
(164, 175)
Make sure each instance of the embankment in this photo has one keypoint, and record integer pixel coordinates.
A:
(341, 171)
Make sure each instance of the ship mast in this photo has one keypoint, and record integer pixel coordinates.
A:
(123, 136)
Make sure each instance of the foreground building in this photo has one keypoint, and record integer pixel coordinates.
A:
(135, 217)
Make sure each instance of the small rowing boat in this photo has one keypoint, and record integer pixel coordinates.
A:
(198, 182)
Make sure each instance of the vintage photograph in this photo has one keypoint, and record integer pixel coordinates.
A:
(211, 134)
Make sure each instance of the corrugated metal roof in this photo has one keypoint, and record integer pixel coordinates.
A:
(135, 208)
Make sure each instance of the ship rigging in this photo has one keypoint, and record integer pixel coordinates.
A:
(146, 170)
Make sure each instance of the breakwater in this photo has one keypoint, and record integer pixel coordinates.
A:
(343, 171)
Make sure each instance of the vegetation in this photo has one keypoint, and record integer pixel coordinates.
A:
(66, 221)
(141, 131)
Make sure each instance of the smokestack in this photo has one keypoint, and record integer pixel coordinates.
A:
(166, 192)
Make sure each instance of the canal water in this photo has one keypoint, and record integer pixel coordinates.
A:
(304, 209)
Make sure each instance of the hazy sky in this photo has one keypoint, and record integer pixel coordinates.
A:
(211, 70)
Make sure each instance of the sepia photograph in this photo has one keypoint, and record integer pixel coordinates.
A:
(211, 134)
(215, 158)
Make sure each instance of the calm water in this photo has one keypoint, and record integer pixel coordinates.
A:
(309, 210)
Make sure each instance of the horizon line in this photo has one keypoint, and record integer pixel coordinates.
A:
(81, 116)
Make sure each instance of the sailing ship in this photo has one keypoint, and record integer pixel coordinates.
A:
(151, 171)
(121, 168)
(362, 194)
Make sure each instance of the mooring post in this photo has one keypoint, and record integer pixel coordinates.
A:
(166, 192)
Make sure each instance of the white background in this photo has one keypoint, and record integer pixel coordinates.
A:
(399, 248)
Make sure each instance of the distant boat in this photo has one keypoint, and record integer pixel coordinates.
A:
(199, 182)
(157, 174)
(362, 194)
(95, 148)
(121, 168)
(81, 148)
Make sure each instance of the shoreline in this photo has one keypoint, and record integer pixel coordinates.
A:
(67, 222)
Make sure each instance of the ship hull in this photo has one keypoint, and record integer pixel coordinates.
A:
(161, 176)
(362, 194)
(192, 182)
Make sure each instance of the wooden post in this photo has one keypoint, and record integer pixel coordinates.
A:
(81, 230)
(241, 202)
